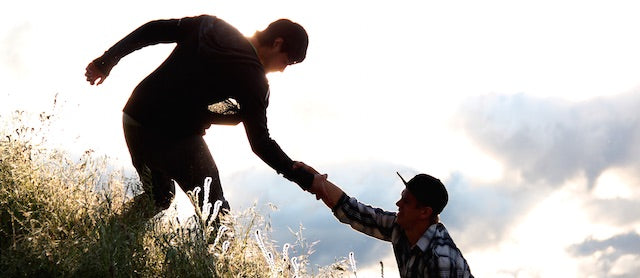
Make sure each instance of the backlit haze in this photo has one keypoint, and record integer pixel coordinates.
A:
(527, 111)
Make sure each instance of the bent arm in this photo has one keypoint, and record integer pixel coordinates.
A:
(150, 33)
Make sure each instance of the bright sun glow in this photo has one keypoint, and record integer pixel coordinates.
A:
(614, 183)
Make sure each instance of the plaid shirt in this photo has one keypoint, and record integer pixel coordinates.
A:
(434, 255)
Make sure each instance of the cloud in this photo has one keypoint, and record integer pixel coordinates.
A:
(480, 214)
(616, 256)
(628, 243)
(547, 143)
(615, 211)
(554, 140)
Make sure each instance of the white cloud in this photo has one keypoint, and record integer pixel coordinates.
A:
(561, 150)
(625, 266)
(554, 140)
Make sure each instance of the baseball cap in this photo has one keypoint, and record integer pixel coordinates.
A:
(428, 190)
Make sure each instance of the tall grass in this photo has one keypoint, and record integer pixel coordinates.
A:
(64, 217)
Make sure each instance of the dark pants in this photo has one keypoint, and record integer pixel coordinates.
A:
(160, 158)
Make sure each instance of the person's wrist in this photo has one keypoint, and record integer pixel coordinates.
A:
(319, 184)
(303, 178)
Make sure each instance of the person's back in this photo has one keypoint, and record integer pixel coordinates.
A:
(212, 61)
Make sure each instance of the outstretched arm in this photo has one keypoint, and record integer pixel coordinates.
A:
(364, 218)
(153, 32)
(254, 117)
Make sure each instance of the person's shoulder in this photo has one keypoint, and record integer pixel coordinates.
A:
(192, 21)
(439, 237)
(221, 35)
(198, 19)
(441, 230)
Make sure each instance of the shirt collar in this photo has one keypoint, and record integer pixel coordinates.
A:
(255, 50)
(428, 235)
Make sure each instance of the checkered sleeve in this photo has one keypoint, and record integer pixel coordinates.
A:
(372, 221)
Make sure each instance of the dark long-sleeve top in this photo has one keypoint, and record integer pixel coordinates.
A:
(211, 63)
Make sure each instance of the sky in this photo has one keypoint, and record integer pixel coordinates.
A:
(526, 110)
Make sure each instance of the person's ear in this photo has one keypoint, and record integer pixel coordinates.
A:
(427, 212)
(277, 43)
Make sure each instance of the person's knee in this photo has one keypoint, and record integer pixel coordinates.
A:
(162, 189)
(162, 199)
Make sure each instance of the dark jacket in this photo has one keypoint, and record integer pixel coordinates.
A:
(211, 64)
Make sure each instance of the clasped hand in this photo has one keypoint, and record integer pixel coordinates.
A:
(319, 180)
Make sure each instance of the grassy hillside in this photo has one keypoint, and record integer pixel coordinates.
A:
(63, 217)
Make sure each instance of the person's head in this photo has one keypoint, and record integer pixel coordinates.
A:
(422, 201)
(281, 44)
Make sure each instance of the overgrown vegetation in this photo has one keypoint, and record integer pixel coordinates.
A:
(64, 217)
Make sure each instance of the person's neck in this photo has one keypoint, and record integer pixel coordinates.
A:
(256, 45)
(415, 233)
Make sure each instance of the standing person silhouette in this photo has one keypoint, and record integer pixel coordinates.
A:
(214, 75)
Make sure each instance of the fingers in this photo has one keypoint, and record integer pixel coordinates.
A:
(322, 192)
(298, 164)
(93, 73)
(318, 186)
(89, 74)
(92, 78)
(101, 80)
